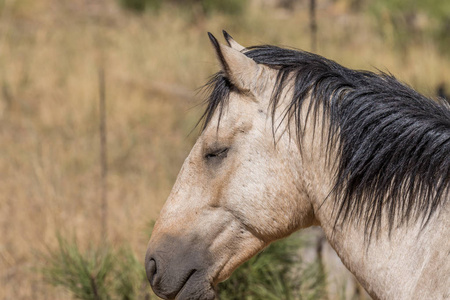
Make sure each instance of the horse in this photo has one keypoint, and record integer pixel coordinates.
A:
(290, 140)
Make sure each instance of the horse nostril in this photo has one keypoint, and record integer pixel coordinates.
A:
(151, 270)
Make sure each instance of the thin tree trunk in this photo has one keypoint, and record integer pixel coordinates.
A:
(103, 155)
(313, 25)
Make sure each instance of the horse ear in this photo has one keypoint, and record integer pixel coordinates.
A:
(239, 69)
(231, 42)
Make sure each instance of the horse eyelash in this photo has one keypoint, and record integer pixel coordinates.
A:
(222, 152)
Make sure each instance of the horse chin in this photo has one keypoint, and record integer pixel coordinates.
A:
(196, 287)
(224, 274)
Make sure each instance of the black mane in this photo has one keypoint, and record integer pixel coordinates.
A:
(394, 143)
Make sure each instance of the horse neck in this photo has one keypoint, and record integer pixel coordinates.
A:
(391, 266)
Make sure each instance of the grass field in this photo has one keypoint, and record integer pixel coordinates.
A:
(51, 53)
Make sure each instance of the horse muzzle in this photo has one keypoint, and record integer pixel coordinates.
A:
(177, 269)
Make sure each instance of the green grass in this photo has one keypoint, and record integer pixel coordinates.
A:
(86, 274)
(99, 273)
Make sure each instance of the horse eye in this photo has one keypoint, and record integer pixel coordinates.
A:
(220, 153)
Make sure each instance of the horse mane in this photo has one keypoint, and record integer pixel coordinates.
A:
(393, 144)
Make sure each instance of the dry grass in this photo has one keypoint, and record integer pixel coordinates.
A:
(50, 55)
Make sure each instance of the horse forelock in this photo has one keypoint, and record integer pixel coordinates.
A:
(393, 144)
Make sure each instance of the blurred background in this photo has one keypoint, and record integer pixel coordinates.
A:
(98, 100)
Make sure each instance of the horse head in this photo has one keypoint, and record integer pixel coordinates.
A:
(238, 189)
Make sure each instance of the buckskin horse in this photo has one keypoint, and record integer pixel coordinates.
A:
(290, 140)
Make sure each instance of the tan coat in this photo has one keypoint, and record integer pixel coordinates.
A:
(245, 185)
